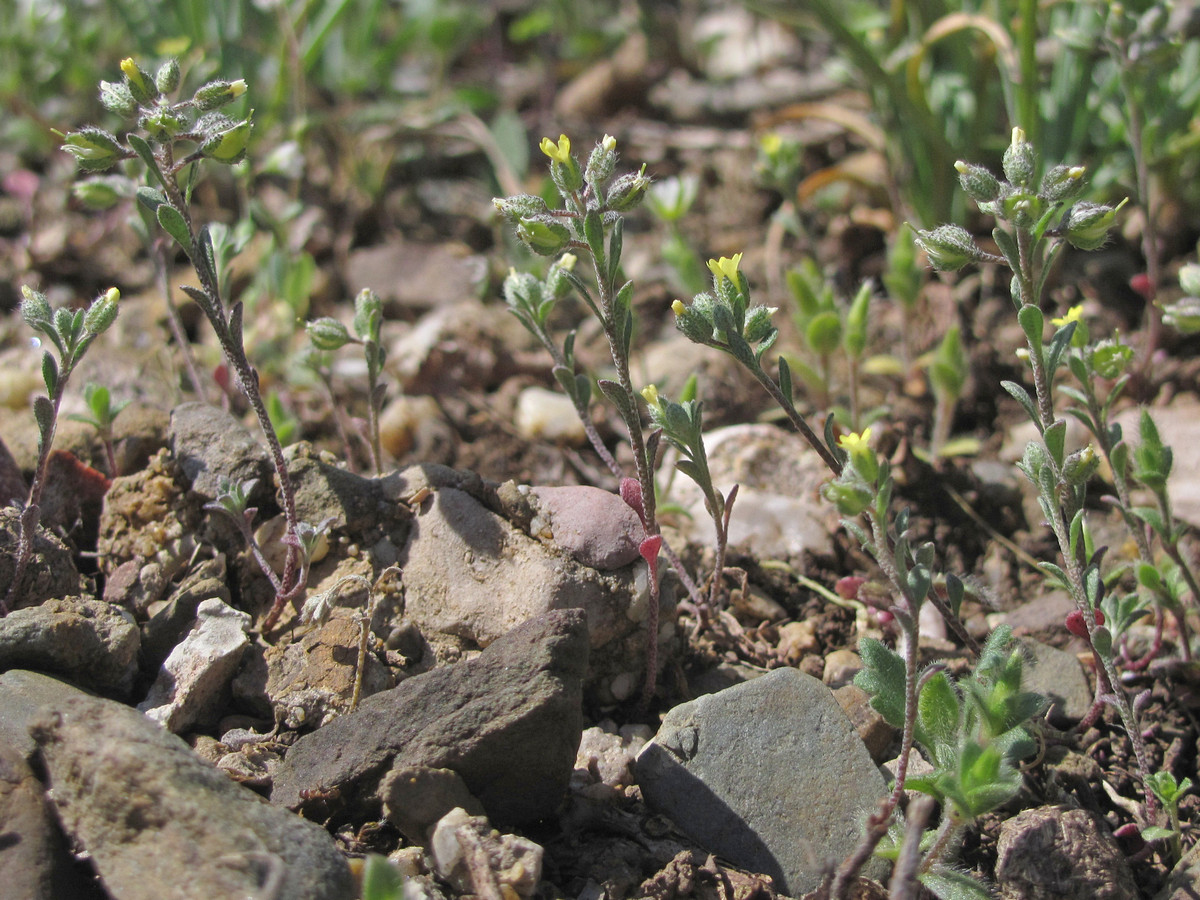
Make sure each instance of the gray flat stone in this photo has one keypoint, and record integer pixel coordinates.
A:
(507, 722)
(22, 694)
(769, 774)
(34, 863)
(91, 642)
(1058, 675)
(157, 821)
(209, 445)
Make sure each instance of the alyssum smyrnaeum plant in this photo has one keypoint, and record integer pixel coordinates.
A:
(1035, 220)
(70, 333)
(974, 732)
(977, 730)
(171, 138)
(591, 225)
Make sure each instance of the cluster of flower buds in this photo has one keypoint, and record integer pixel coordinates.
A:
(146, 99)
(1026, 202)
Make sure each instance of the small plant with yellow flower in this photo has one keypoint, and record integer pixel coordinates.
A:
(170, 138)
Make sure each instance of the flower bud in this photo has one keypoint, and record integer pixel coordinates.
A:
(1079, 466)
(102, 312)
(850, 498)
(544, 238)
(758, 323)
(1062, 183)
(522, 206)
(166, 79)
(1020, 161)
(216, 94)
(161, 124)
(979, 184)
(601, 163)
(35, 308)
(1189, 279)
(368, 312)
(1110, 359)
(93, 148)
(229, 144)
(948, 247)
(138, 81)
(628, 191)
(564, 169)
(1086, 225)
(102, 192)
(117, 98)
(1183, 315)
(327, 333)
(1022, 208)
(860, 455)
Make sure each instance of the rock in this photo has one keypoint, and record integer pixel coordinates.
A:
(840, 667)
(544, 415)
(415, 798)
(508, 722)
(89, 641)
(470, 576)
(34, 864)
(779, 511)
(188, 690)
(1179, 427)
(790, 796)
(1058, 853)
(211, 446)
(415, 427)
(148, 533)
(51, 571)
(309, 682)
(597, 527)
(608, 754)
(1058, 675)
(874, 731)
(417, 276)
(157, 821)
(22, 694)
(474, 859)
(139, 432)
(1183, 882)
(169, 624)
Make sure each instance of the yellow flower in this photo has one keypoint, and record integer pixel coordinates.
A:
(678, 308)
(650, 394)
(1018, 136)
(851, 442)
(560, 152)
(129, 67)
(567, 261)
(1074, 314)
(771, 143)
(609, 143)
(725, 267)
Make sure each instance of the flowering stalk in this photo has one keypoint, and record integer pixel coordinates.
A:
(70, 333)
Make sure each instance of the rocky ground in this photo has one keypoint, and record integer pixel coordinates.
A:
(499, 747)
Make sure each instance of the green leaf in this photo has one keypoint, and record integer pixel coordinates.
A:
(785, 380)
(938, 716)
(1152, 517)
(955, 589)
(50, 373)
(883, 678)
(1019, 394)
(593, 233)
(617, 396)
(947, 884)
(1156, 833)
(1055, 437)
(1008, 246)
(142, 149)
(175, 225)
(381, 880)
(43, 412)
(615, 242)
(1033, 323)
